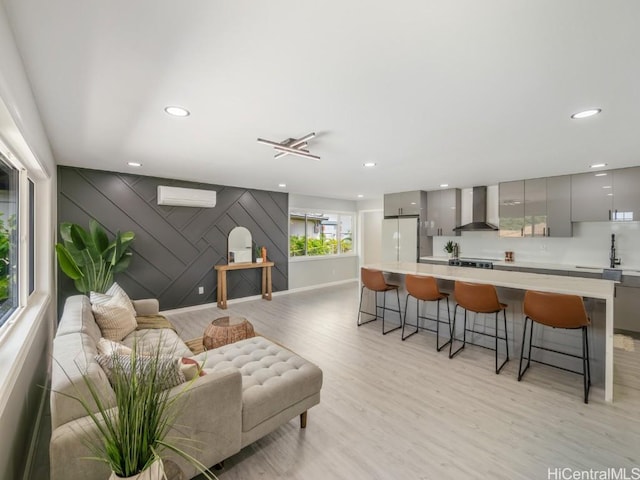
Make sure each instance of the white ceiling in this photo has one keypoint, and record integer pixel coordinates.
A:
(464, 92)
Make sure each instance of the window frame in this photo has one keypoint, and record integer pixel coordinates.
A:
(307, 212)
(24, 236)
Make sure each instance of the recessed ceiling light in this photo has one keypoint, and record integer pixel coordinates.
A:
(443, 185)
(282, 185)
(598, 165)
(369, 164)
(360, 195)
(610, 194)
(586, 113)
(607, 186)
(177, 111)
(600, 174)
(134, 164)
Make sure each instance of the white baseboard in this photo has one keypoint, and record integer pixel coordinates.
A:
(321, 285)
(195, 308)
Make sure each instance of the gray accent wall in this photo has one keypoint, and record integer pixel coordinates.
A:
(176, 247)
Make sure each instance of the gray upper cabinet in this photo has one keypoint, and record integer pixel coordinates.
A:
(626, 194)
(443, 212)
(559, 207)
(591, 196)
(537, 207)
(511, 208)
(404, 203)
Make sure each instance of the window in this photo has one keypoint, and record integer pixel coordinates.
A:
(318, 234)
(8, 239)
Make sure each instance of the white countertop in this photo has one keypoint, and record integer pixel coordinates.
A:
(587, 268)
(585, 287)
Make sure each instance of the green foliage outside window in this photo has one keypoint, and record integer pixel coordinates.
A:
(317, 246)
(5, 261)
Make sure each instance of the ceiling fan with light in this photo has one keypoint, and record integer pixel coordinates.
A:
(292, 146)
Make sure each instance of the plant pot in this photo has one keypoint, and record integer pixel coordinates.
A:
(154, 472)
(259, 260)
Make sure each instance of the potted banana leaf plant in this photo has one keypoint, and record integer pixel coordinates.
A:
(90, 259)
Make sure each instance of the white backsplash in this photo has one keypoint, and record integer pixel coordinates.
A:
(589, 246)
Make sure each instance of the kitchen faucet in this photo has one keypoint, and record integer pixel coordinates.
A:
(612, 255)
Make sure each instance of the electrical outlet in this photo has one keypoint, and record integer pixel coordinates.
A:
(200, 290)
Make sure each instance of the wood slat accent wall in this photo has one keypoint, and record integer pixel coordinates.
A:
(175, 247)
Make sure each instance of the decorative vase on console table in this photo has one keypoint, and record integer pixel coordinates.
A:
(264, 254)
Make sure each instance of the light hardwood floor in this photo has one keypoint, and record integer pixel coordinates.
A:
(400, 410)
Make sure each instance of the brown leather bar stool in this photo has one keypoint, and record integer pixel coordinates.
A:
(425, 289)
(557, 311)
(479, 298)
(374, 280)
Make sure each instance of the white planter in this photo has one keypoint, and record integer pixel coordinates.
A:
(154, 472)
(259, 260)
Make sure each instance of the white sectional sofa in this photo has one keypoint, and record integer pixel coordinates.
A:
(250, 388)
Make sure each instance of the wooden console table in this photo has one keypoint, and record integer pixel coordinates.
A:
(222, 279)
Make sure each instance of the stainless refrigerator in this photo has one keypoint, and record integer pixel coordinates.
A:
(400, 239)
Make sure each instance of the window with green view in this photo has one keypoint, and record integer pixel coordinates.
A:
(318, 234)
(8, 239)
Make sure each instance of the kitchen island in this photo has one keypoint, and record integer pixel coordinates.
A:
(513, 285)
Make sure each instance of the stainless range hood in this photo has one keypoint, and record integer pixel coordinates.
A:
(479, 216)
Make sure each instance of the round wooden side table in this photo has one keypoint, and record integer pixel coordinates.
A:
(225, 330)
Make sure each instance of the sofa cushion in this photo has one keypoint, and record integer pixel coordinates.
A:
(73, 356)
(78, 318)
(148, 340)
(273, 378)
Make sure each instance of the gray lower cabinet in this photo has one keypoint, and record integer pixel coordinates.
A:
(443, 212)
(627, 309)
(591, 196)
(404, 203)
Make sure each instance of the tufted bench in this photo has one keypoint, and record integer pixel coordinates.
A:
(277, 384)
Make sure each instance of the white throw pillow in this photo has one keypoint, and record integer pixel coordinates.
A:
(109, 347)
(115, 322)
(190, 368)
(115, 296)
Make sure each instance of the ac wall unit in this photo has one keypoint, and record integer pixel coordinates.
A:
(186, 197)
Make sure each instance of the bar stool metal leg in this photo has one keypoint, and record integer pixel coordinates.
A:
(506, 341)
(453, 333)
(384, 306)
(524, 335)
(448, 342)
(586, 371)
(360, 312)
(404, 319)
